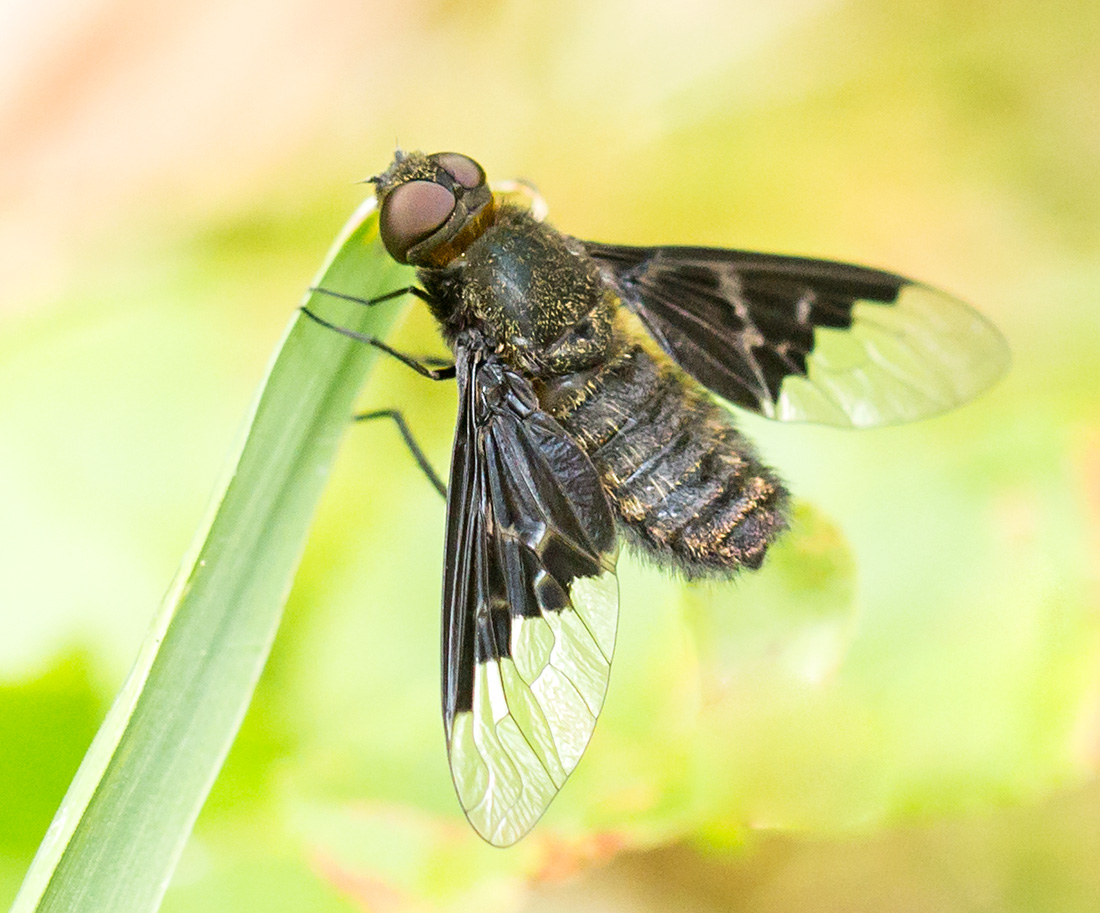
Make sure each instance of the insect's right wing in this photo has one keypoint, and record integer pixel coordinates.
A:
(798, 339)
(530, 601)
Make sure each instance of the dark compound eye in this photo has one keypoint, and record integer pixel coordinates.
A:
(464, 170)
(412, 212)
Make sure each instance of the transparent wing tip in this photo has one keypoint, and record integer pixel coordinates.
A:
(924, 354)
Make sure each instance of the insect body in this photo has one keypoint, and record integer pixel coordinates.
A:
(683, 483)
(583, 374)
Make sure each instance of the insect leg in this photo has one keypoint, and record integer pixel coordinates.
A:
(369, 302)
(442, 373)
(410, 442)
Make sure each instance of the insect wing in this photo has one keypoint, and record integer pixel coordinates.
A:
(797, 339)
(530, 601)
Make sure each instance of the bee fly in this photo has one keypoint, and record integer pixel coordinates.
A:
(585, 410)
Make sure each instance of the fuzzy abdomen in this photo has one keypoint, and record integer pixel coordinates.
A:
(687, 486)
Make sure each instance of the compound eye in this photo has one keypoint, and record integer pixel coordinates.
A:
(465, 170)
(411, 213)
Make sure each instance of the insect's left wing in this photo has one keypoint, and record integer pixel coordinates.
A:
(798, 339)
(530, 601)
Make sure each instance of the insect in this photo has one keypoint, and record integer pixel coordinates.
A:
(586, 377)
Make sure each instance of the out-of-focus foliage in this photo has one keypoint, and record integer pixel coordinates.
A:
(909, 692)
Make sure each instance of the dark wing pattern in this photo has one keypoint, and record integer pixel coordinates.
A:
(797, 339)
(530, 600)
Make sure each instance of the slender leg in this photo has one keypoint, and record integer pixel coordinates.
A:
(370, 302)
(444, 373)
(410, 442)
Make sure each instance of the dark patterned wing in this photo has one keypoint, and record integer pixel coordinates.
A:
(530, 600)
(797, 339)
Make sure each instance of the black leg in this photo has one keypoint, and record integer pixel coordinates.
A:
(444, 373)
(369, 302)
(410, 442)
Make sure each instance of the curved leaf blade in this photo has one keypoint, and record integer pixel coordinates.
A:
(121, 827)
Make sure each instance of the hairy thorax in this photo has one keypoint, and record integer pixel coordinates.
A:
(687, 487)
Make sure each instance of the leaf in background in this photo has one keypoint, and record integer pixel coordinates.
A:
(122, 825)
(795, 618)
(770, 741)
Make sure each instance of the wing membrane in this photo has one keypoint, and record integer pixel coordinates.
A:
(530, 601)
(797, 339)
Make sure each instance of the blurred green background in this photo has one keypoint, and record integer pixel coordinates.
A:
(902, 711)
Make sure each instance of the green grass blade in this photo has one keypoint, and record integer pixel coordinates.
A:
(120, 829)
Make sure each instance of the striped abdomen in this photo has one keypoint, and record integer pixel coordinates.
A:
(687, 486)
